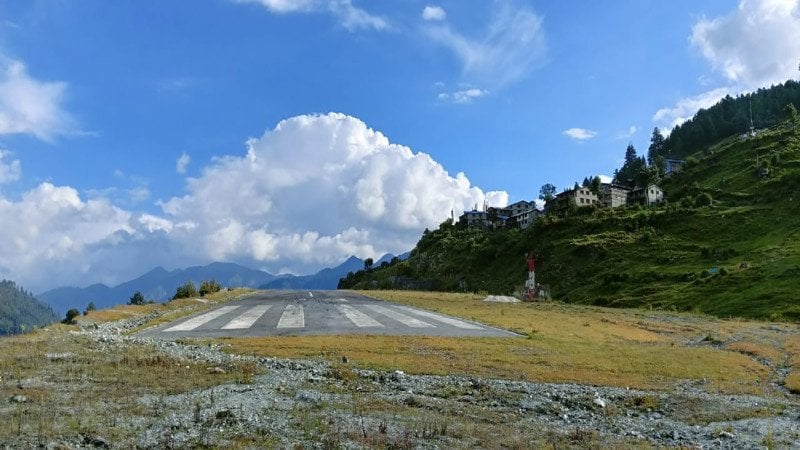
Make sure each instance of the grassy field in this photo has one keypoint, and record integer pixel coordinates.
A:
(73, 385)
(566, 343)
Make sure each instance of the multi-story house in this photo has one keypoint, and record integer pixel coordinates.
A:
(581, 196)
(649, 195)
(474, 218)
(613, 195)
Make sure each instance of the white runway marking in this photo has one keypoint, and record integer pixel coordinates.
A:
(448, 320)
(191, 324)
(358, 318)
(402, 318)
(292, 317)
(247, 319)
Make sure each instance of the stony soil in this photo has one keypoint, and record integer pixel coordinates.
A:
(313, 404)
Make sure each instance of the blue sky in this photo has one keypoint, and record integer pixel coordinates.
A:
(142, 133)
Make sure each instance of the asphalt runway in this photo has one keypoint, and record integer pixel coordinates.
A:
(283, 313)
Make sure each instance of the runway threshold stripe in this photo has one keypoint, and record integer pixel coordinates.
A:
(292, 317)
(191, 324)
(247, 319)
(400, 317)
(358, 318)
(444, 319)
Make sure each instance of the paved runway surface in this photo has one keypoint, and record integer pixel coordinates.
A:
(274, 313)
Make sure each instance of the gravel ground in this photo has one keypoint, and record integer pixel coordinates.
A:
(314, 404)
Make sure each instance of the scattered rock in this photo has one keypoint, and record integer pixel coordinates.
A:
(64, 356)
(501, 299)
(18, 399)
(397, 375)
(599, 402)
(95, 441)
(216, 370)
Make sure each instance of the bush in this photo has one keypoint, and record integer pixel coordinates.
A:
(703, 199)
(209, 287)
(137, 299)
(71, 315)
(185, 291)
(89, 307)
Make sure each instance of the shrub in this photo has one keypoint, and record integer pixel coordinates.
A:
(137, 299)
(703, 199)
(89, 307)
(71, 315)
(209, 287)
(187, 290)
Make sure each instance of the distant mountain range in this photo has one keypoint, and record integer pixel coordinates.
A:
(160, 284)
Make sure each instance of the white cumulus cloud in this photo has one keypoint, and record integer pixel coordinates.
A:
(30, 106)
(305, 195)
(434, 13)
(756, 45)
(348, 15)
(510, 48)
(9, 171)
(579, 134)
(182, 163)
(318, 188)
(47, 233)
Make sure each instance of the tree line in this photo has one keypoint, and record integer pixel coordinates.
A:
(20, 311)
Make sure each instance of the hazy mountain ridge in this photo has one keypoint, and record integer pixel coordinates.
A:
(327, 278)
(159, 284)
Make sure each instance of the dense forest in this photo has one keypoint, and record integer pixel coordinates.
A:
(20, 311)
(730, 116)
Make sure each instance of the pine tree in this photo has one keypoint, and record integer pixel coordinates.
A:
(656, 145)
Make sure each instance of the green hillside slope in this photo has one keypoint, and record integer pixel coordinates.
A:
(20, 311)
(738, 256)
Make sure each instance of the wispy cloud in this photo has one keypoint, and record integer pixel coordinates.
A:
(464, 96)
(434, 13)
(508, 50)
(627, 134)
(349, 16)
(670, 117)
(11, 170)
(182, 163)
(30, 106)
(579, 134)
(177, 84)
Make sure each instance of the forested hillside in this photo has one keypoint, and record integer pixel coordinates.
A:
(726, 242)
(20, 311)
(729, 117)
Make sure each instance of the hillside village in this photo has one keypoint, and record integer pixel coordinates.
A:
(522, 214)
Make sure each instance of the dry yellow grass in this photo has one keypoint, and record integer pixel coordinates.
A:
(562, 343)
(755, 349)
(792, 345)
(119, 312)
(73, 384)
